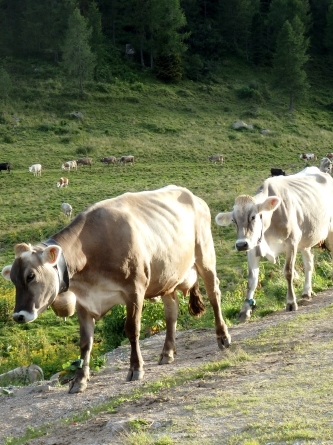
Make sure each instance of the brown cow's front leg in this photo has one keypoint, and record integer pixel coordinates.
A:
(132, 330)
(171, 314)
(87, 326)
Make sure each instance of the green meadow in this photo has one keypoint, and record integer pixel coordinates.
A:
(170, 129)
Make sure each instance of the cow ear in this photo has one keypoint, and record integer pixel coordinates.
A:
(270, 204)
(51, 255)
(6, 272)
(223, 219)
(20, 248)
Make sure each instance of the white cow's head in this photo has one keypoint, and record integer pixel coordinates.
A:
(247, 217)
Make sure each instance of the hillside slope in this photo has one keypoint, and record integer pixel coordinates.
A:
(266, 387)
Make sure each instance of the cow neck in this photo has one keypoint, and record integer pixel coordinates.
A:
(262, 230)
(60, 267)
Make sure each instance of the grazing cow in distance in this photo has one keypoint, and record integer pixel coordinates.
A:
(67, 209)
(109, 160)
(121, 251)
(69, 165)
(216, 158)
(325, 165)
(5, 166)
(36, 169)
(287, 214)
(308, 156)
(63, 182)
(126, 160)
(84, 161)
(277, 172)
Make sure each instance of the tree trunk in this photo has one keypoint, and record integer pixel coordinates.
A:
(291, 101)
(141, 53)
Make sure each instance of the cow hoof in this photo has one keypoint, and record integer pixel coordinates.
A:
(307, 297)
(76, 387)
(134, 375)
(290, 307)
(224, 342)
(165, 359)
(244, 316)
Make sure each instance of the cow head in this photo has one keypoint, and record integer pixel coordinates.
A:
(35, 278)
(247, 217)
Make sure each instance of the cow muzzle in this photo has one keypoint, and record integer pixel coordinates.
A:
(242, 245)
(24, 317)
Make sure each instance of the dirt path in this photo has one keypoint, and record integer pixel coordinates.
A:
(32, 407)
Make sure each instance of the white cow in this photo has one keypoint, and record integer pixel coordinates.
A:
(308, 156)
(63, 182)
(287, 214)
(36, 169)
(69, 165)
(67, 209)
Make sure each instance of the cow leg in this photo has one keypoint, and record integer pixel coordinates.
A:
(132, 330)
(214, 294)
(308, 270)
(252, 283)
(289, 272)
(171, 314)
(87, 327)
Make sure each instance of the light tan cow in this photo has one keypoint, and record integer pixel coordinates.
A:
(121, 251)
(287, 214)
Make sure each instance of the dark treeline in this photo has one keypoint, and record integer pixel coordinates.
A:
(170, 37)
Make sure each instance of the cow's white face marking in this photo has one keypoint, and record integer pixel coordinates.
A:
(28, 317)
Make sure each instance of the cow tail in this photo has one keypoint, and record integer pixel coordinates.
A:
(196, 305)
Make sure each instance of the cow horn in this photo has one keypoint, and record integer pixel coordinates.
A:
(20, 248)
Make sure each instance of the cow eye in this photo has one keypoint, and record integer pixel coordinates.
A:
(30, 277)
(253, 217)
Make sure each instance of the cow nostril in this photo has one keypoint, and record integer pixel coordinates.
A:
(242, 245)
(19, 318)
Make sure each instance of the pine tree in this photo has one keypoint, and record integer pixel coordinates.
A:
(78, 59)
(329, 30)
(282, 10)
(289, 60)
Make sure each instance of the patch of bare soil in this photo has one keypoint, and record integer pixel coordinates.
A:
(35, 406)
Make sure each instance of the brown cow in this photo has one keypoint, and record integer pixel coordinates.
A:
(126, 160)
(84, 161)
(121, 251)
(109, 160)
(216, 158)
(63, 182)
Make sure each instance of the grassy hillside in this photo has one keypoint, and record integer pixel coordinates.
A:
(170, 129)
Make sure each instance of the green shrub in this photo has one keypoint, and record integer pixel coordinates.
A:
(8, 139)
(84, 150)
(169, 68)
(113, 328)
